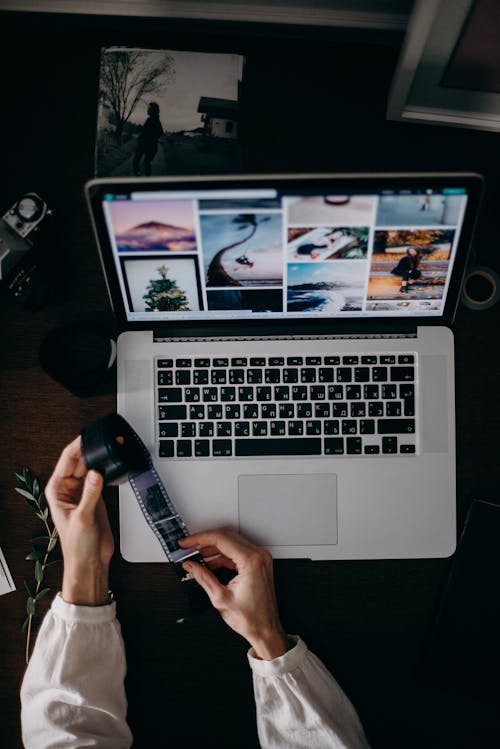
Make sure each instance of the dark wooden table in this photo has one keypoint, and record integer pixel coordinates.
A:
(313, 101)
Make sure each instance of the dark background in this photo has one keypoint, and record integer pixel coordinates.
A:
(313, 100)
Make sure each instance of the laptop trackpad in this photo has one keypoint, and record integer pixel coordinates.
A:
(288, 510)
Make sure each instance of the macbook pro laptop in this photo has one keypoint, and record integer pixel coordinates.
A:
(286, 354)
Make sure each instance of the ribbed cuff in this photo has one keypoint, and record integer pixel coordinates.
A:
(281, 665)
(69, 612)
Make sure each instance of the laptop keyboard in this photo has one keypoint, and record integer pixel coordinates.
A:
(287, 406)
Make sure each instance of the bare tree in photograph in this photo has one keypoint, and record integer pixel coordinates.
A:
(127, 76)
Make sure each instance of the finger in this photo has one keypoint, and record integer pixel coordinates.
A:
(204, 577)
(231, 544)
(70, 461)
(220, 561)
(91, 493)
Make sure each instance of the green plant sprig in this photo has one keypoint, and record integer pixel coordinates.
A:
(42, 546)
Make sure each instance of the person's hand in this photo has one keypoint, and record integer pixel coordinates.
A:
(248, 603)
(78, 511)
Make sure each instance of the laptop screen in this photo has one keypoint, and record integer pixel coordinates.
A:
(293, 248)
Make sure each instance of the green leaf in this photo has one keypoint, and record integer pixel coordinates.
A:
(54, 561)
(28, 589)
(36, 539)
(45, 513)
(38, 571)
(25, 623)
(20, 478)
(52, 544)
(42, 502)
(35, 554)
(42, 593)
(30, 606)
(26, 494)
(36, 488)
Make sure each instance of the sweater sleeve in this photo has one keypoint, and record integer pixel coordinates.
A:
(301, 706)
(73, 692)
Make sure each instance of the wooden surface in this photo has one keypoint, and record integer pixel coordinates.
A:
(310, 104)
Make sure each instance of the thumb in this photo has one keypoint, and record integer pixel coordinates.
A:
(206, 578)
(91, 493)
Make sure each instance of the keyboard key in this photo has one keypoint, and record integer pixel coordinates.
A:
(350, 360)
(361, 374)
(313, 428)
(321, 410)
(268, 410)
(254, 376)
(407, 449)
(278, 428)
(232, 411)
(308, 375)
(165, 363)
(272, 375)
(389, 445)
(221, 362)
(214, 411)
(379, 374)
(222, 448)
(399, 374)
(304, 410)
(263, 393)
(367, 426)
(202, 363)
(278, 446)
(336, 392)
(276, 361)
(375, 408)
(165, 377)
(257, 361)
(183, 377)
(201, 448)
(239, 361)
(389, 391)
(396, 426)
(183, 362)
(333, 361)
(218, 376)
(210, 395)
(372, 449)
(326, 374)
(241, 428)
(294, 361)
(358, 409)
(197, 412)
(250, 411)
(168, 430)
(172, 413)
(206, 429)
(192, 395)
(188, 429)
(353, 392)
(312, 361)
(170, 395)
(334, 445)
(406, 359)
(245, 394)
(332, 426)
(281, 393)
(166, 448)
(200, 377)
(299, 393)
(224, 429)
(259, 428)
(388, 360)
(318, 392)
(339, 410)
(295, 428)
(236, 376)
(369, 360)
(286, 410)
(184, 449)
(290, 375)
(344, 374)
(353, 445)
(393, 408)
(349, 426)
(227, 394)
(371, 392)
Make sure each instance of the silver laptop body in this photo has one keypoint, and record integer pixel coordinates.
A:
(263, 318)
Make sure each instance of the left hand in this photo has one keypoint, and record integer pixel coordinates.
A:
(75, 500)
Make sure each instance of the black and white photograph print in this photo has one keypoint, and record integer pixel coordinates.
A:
(426, 209)
(153, 225)
(242, 249)
(327, 243)
(326, 288)
(246, 300)
(161, 285)
(331, 210)
(167, 112)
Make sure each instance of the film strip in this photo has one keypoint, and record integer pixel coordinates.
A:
(111, 447)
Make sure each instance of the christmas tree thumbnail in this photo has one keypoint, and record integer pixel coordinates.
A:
(164, 295)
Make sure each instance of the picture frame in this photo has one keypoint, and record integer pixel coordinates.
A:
(439, 33)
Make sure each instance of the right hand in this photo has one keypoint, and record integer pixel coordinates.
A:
(248, 602)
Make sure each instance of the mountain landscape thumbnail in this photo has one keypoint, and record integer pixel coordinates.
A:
(154, 236)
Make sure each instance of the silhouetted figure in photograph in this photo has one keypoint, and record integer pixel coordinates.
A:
(408, 268)
(147, 142)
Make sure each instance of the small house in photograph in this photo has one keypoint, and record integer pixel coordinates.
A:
(219, 116)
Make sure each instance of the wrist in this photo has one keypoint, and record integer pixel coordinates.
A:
(271, 645)
(86, 587)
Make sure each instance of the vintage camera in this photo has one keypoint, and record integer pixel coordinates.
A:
(23, 232)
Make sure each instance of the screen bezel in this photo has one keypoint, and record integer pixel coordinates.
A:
(323, 183)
